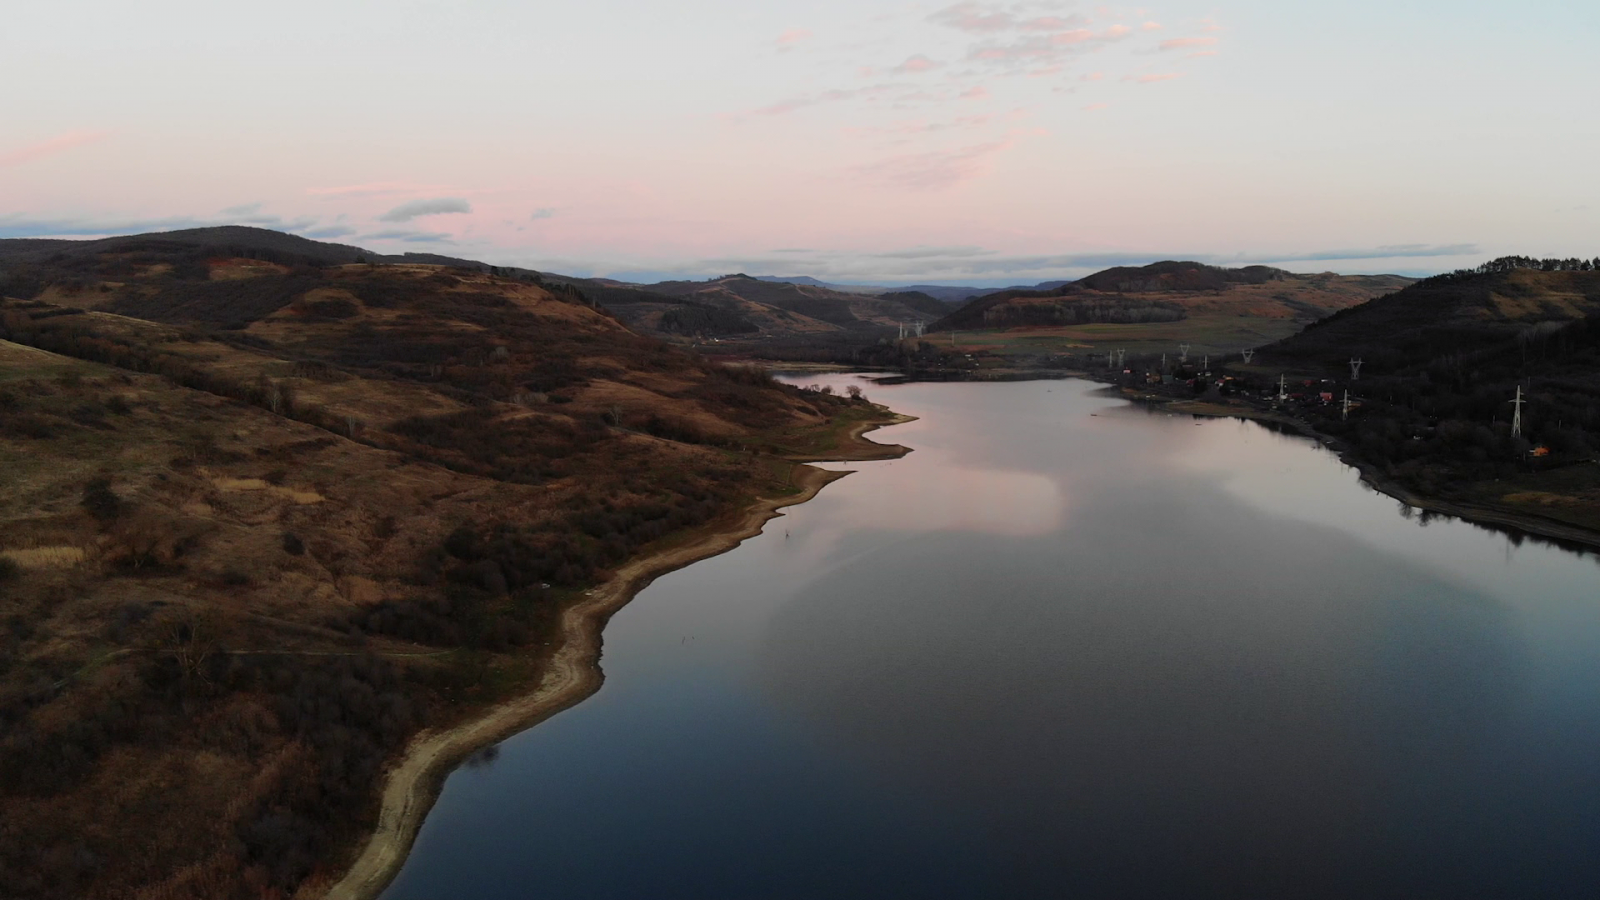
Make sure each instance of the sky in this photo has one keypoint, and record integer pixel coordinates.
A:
(860, 141)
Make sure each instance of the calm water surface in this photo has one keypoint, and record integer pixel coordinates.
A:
(1067, 648)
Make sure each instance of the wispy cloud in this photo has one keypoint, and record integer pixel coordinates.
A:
(1188, 42)
(1054, 23)
(58, 144)
(974, 18)
(792, 104)
(1388, 251)
(918, 63)
(792, 38)
(433, 206)
(934, 253)
(543, 212)
(1153, 77)
(936, 169)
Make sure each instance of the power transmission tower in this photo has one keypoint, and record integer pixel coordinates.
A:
(1283, 388)
(1247, 356)
(1122, 359)
(1183, 355)
(1516, 418)
(1355, 370)
(1346, 415)
(1111, 356)
(902, 331)
(1205, 364)
(919, 326)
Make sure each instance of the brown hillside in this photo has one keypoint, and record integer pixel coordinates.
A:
(264, 520)
(1166, 292)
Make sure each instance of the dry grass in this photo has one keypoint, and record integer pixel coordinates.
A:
(46, 557)
(163, 662)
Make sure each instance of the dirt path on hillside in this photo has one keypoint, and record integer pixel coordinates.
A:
(572, 675)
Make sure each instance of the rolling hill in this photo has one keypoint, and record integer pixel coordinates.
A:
(1172, 291)
(1153, 309)
(747, 308)
(269, 511)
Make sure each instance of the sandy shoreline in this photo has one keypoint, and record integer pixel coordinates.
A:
(412, 785)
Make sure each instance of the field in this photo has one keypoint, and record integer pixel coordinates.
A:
(1217, 335)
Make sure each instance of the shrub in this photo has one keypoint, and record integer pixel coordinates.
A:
(101, 502)
(292, 544)
(8, 568)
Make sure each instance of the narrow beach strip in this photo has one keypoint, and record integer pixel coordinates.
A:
(573, 674)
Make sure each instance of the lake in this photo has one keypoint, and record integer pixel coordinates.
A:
(1069, 647)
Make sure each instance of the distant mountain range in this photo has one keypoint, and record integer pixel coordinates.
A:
(801, 306)
(948, 293)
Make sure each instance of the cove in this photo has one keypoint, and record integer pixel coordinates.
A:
(1067, 647)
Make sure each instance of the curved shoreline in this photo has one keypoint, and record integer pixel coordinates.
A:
(1483, 516)
(572, 675)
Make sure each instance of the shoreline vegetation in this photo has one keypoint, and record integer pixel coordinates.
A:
(1478, 514)
(573, 672)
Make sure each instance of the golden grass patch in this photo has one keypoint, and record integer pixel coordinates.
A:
(303, 498)
(1539, 498)
(45, 557)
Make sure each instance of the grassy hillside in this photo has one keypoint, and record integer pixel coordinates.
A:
(1152, 310)
(1170, 292)
(757, 310)
(265, 517)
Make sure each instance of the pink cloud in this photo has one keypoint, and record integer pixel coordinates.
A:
(974, 17)
(1094, 76)
(1150, 26)
(923, 127)
(978, 92)
(1046, 48)
(1153, 78)
(1181, 43)
(58, 144)
(792, 37)
(1044, 72)
(1203, 53)
(783, 107)
(918, 63)
(1096, 106)
(935, 170)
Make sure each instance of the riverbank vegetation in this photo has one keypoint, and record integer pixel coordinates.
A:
(1434, 402)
